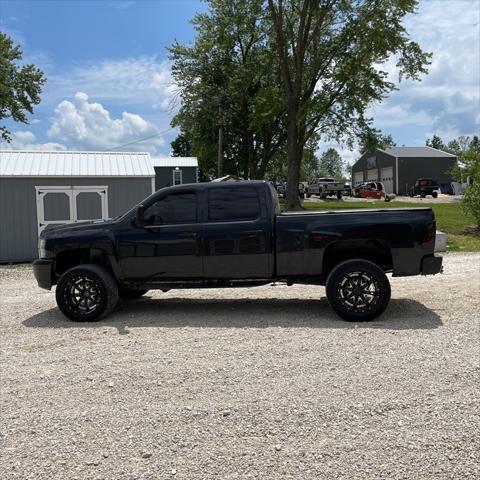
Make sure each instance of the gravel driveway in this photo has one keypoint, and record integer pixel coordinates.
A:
(249, 383)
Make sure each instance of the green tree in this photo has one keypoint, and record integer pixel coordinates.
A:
(435, 142)
(20, 86)
(229, 90)
(468, 170)
(331, 164)
(371, 139)
(329, 55)
(181, 146)
(461, 144)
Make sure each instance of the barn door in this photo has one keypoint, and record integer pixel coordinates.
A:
(71, 204)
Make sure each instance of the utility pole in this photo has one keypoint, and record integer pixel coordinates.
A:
(220, 144)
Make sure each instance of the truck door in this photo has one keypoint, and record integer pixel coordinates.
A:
(237, 233)
(169, 245)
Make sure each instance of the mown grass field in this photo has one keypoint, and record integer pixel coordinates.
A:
(449, 216)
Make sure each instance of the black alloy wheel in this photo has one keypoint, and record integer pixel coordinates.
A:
(358, 290)
(86, 292)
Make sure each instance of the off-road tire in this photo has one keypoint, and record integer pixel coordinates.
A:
(86, 293)
(376, 282)
(130, 293)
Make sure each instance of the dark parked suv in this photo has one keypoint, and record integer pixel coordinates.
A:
(424, 187)
(232, 234)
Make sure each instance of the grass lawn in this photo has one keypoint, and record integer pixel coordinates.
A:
(450, 218)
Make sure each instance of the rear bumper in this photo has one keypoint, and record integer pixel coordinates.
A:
(42, 270)
(432, 264)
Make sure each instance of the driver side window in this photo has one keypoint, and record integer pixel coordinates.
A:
(173, 209)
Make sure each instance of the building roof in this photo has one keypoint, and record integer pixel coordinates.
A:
(174, 161)
(416, 152)
(24, 163)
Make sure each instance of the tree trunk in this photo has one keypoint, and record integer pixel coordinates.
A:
(294, 157)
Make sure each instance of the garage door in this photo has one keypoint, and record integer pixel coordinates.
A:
(372, 175)
(386, 177)
(57, 205)
(357, 178)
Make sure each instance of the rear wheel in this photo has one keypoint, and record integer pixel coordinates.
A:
(130, 293)
(86, 293)
(358, 290)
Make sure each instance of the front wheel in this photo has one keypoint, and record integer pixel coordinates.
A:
(358, 290)
(86, 293)
(434, 194)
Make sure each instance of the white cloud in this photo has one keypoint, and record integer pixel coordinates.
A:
(140, 81)
(448, 98)
(26, 140)
(85, 125)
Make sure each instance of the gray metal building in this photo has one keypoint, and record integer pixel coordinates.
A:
(399, 167)
(42, 188)
(174, 171)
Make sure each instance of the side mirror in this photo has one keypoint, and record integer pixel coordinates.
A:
(140, 216)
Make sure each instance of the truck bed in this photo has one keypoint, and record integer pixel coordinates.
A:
(305, 238)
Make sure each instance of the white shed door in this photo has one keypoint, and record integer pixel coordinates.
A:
(357, 178)
(386, 177)
(372, 175)
(57, 205)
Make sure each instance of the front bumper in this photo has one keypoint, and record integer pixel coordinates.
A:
(43, 272)
(432, 264)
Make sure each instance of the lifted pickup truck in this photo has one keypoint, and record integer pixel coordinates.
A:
(192, 236)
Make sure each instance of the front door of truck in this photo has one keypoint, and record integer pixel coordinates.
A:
(168, 246)
(237, 233)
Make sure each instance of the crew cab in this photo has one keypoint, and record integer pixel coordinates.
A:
(324, 187)
(232, 234)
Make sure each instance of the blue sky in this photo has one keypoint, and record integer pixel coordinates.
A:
(109, 78)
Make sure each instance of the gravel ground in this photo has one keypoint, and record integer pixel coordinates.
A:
(249, 383)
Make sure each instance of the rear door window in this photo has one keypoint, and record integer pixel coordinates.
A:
(233, 204)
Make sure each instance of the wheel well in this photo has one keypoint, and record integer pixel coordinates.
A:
(372, 250)
(71, 258)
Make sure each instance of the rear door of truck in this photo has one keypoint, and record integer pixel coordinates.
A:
(238, 237)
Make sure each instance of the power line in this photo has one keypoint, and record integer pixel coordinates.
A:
(141, 139)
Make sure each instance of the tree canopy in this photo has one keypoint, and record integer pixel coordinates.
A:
(20, 85)
(331, 164)
(329, 55)
(270, 77)
(227, 79)
(372, 139)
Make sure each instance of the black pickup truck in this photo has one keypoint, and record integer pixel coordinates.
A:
(232, 234)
